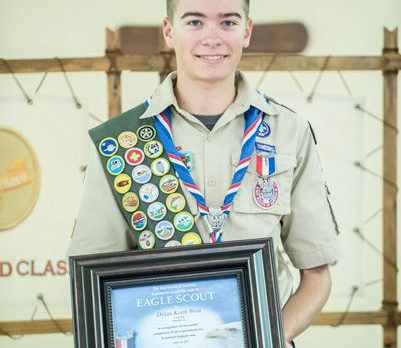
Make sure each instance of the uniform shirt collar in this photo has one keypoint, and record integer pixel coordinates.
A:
(164, 97)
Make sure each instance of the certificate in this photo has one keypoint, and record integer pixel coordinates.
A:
(203, 313)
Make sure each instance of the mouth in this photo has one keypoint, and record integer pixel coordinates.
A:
(212, 58)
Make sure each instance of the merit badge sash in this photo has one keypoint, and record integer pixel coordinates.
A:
(145, 185)
(213, 217)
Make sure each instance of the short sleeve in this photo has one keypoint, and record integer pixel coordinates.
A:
(99, 226)
(309, 233)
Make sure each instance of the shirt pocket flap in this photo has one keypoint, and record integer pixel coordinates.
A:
(244, 202)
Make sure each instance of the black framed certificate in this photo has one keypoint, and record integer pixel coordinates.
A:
(208, 296)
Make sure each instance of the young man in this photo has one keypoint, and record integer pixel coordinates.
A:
(266, 182)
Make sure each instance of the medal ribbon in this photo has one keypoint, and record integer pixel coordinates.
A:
(253, 119)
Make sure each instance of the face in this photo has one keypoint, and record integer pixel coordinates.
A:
(208, 37)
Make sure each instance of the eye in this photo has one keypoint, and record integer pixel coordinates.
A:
(229, 23)
(194, 23)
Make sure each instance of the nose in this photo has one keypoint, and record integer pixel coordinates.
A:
(211, 38)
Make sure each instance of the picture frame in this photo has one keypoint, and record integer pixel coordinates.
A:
(209, 295)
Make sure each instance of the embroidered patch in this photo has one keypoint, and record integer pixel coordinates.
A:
(164, 230)
(175, 202)
(130, 202)
(153, 149)
(146, 133)
(265, 192)
(157, 211)
(127, 139)
(115, 165)
(139, 220)
(183, 221)
(108, 147)
(122, 183)
(191, 238)
(146, 240)
(264, 130)
(141, 174)
(134, 156)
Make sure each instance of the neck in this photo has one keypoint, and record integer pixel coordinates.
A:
(205, 97)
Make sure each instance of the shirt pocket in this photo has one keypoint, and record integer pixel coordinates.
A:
(283, 176)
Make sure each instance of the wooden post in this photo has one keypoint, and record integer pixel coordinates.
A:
(390, 304)
(113, 50)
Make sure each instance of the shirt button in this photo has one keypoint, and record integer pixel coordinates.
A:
(212, 182)
(209, 137)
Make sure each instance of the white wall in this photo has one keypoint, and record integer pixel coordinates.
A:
(49, 28)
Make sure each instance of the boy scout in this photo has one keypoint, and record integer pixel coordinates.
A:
(234, 184)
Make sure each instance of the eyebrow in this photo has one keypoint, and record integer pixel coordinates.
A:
(202, 15)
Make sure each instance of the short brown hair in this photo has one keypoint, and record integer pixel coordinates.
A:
(172, 4)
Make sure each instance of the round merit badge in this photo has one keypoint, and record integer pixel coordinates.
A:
(127, 139)
(183, 221)
(122, 183)
(168, 184)
(141, 174)
(115, 165)
(146, 133)
(130, 202)
(164, 230)
(157, 211)
(175, 202)
(191, 238)
(160, 166)
(172, 243)
(265, 193)
(264, 130)
(146, 240)
(134, 156)
(108, 147)
(148, 193)
(139, 220)
(153, 149)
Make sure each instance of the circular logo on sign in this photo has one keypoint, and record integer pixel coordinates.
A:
(183, 221)
(153, 149)
(265, 193)
(172, 243)
(164, 230)
(134, 156)
(127, 139)
(160, 166)
(19, 178)
(168, 184)
(264, 130)
(108, 147)
(157, 211)
(191, 238)
(146, 240)
(146, 133)
(130, 202)
(122, 183)
(115, 165)
(175, 202)
(139, 220)
(141, 174)
(148, 193)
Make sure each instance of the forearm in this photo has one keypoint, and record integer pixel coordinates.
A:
(307, 302)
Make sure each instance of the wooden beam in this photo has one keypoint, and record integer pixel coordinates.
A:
(113, 73)
(33, 327)
(249, 62)
(390, 303)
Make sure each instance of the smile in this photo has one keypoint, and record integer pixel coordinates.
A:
(211, 58)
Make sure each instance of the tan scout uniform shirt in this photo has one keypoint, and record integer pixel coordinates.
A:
(301, 217)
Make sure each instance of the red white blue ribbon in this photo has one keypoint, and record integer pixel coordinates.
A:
(253, 120)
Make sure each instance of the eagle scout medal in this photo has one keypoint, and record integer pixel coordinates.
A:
(164, 230)
(264, 130)
(265, 165)
(175, 202)
(265, 192)
(215, 220)
(122, 183)
(130, 202)
(172, 243)
(183, 221)
(191, 238)
(115, 165)
(146, 133)
(134, 156)
(148, 193)
(141, 174)
(157, 211)
(153, 149)
(139, 221)
(146, 240)
(160, 166)
(168, 184)
(108, 147)
(127, 139)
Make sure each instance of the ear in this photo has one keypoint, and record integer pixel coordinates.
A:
(248, 33)
(167, 33)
